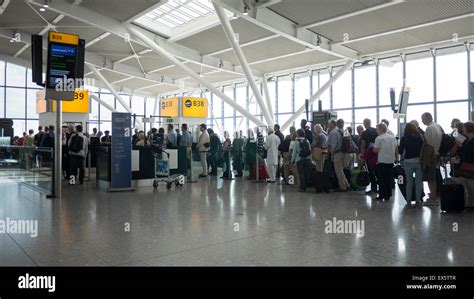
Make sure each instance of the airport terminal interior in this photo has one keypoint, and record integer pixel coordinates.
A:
(236, 133)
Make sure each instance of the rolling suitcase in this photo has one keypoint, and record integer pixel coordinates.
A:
(320, 181)
(262, 171)
(452, 196)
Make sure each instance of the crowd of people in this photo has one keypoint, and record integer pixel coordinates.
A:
(332, 151)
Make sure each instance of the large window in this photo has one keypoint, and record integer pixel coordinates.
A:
(448, 111)
(415, 111)
(229, 91)
(288, 92)
(390, 76)
(150, 106)
(302, 89)
(272, 93)
(285, 95)
(16, 75)
(15, 103)
(2, 102)
(106, 114)
(364, 86)
(217, 106)
(419, 77)
(241, 96)
(2, 73)
(31, 104)
(138, 105)
(94, 110)
(361, 114)
(342, 91)
(451, 76)
(346, 115)
(319, 79)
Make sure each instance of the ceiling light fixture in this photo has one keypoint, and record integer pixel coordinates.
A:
(42, 9)
(46, 5)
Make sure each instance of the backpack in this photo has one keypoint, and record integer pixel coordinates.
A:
(284, 147)
(305, 151)
(309, 135)
(76, 144)
(347, 145)
(447, 143)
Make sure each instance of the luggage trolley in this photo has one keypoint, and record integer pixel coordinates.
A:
(162, 172)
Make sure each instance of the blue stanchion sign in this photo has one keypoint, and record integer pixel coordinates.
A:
(121, 152)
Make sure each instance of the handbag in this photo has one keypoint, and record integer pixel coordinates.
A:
(427, 155)
(363, 178)
(317, 153)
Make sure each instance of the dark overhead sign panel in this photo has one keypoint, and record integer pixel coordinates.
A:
(62, 65)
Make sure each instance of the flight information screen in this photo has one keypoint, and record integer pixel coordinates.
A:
(62, 65)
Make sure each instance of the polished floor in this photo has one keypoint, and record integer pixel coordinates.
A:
(227, 223)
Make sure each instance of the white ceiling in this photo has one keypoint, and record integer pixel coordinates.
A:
(267, 53)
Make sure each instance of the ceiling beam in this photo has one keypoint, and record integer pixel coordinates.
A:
(117, 28)
(97, 39)
(351, 14)
(399, 30)
(45, 29)
(277, 24)
(104, 63)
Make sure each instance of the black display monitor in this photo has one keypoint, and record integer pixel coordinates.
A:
(403, 101)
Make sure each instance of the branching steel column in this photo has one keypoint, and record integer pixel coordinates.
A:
(328, 84)
(268, 100)
(160, 51)
(113, 91)
(229, 32)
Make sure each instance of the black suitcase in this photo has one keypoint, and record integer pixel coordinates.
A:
(330, 172)
(452, 197)
(320, 181)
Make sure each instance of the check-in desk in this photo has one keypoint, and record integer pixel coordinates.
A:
(143, 166)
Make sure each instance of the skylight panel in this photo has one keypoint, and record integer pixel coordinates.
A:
(175, 13)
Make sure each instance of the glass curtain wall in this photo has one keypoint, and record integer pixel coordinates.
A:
(438, 82)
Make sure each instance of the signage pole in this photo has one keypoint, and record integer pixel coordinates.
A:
(58, 142)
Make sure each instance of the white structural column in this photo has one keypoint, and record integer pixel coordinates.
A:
(155, 106)
(162, 52)
(268, 99)
(328, 84)
(113, 91)
(102, 103)
(229, 32)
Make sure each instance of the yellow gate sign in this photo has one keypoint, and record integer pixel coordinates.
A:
(80, 104)
(194, 107)
(169, 107)
(64, 38)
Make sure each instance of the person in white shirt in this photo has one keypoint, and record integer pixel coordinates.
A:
(271, 145)
(386, 148)
(387, 123)
(433, 136)
(203, 146)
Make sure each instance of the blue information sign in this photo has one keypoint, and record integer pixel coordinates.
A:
(121, 152)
